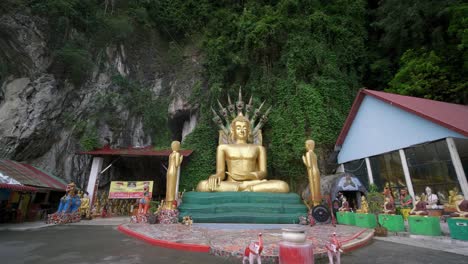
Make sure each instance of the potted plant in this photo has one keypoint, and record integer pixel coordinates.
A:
(375, 199)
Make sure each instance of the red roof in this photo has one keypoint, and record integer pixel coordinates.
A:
(17, 187)
(146, 151)
(31, 176)
(451, 116)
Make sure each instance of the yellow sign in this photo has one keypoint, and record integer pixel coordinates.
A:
(130, 189)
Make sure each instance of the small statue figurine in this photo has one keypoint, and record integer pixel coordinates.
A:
(389, 206)
(254, 251)
(187, 220)
(175, 159)
(364, 206)
(454, 196)
(389, 193)
(310, 161)
(431, 198)
(144, 202)
(461, 207)
(84, 208)
(334, 249)
(344, 205)
(419, 207)
(406, 200)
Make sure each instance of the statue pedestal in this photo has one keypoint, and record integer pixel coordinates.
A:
(345, 218)
(365, 220)
(393, 223)
(458, 228)
(424, 225)
(242, 207)
(168, 216)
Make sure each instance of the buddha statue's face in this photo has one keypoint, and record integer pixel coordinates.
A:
(309, 145)
(241, 130)
(175, 145)
(428, 190)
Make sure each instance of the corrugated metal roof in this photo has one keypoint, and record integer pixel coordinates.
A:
(17, 187)
(30, 175)
(451, 116)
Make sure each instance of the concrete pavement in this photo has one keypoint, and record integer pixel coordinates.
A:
(440, 243)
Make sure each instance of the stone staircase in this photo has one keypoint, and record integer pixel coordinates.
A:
(243, 207)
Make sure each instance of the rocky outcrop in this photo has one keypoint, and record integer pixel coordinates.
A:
(43, 116)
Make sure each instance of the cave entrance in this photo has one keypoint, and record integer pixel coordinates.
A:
(128, 165)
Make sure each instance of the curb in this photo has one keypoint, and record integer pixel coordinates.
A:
(359, 243)
(164, 243)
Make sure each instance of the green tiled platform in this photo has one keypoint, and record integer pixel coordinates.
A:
(345, 218)
(424, 225)
(458, 228)
(243, 207)
(393, 223)
(365, 220)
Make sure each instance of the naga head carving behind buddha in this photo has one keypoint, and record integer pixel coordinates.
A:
(241, 159)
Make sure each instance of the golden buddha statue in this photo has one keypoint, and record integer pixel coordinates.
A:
(310, 161)
(175, 159)
(364, 206)
(246, 164)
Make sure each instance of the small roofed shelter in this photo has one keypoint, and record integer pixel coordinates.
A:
(27, 191)
(406, 142)
(130, 164)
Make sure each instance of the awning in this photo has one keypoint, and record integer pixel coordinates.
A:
(17, 187)
(134, 152)
(31, 176)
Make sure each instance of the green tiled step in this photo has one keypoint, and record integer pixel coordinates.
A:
(458, 228)
(393, 223)
(424, 225)
(240, 197)
(243, 207)
(345, 218)
(263, 218)
(365, 220)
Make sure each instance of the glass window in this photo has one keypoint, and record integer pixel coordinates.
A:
(359, 169)
(430, 165)
(387, 170)
(462, 148)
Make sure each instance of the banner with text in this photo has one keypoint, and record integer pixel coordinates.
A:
(129, 189)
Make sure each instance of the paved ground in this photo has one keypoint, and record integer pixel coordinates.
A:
(98, 241)
(79, 244)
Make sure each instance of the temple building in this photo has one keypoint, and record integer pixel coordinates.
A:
(27, 193)
(406, 142)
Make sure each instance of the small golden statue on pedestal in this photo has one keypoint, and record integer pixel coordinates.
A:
(84, 207)
(240, 157)
(364, 206)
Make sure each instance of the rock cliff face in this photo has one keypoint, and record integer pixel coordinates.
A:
(42, 114)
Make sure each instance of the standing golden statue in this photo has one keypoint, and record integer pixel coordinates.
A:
(310, 161)
(240, 164)
(175, 159)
